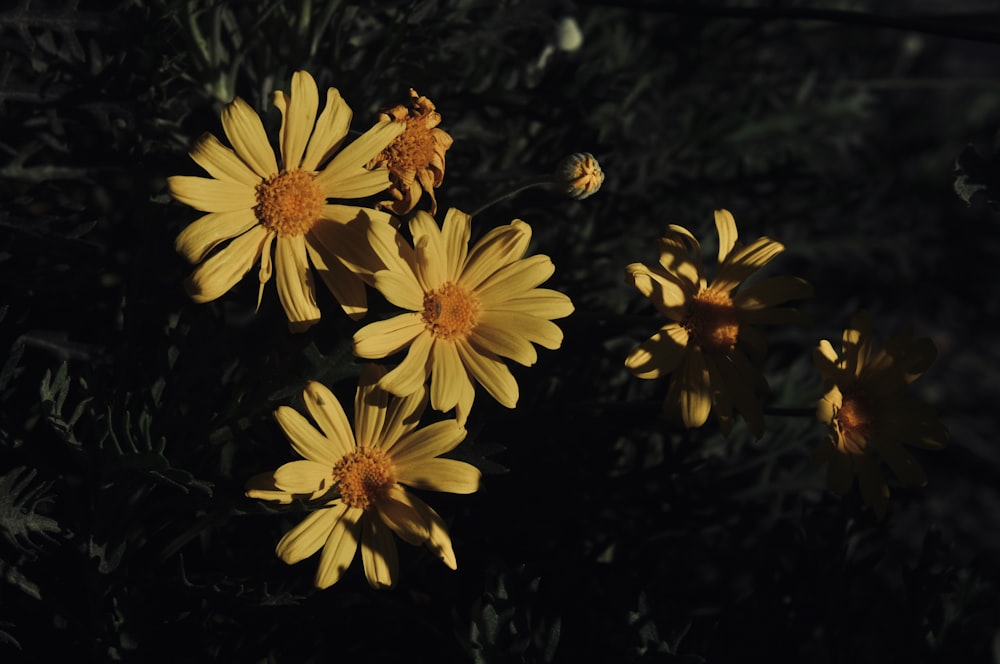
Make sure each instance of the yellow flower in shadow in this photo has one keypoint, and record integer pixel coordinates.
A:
(870, 414)
(254, 205)
(710, 339)
(356, 480)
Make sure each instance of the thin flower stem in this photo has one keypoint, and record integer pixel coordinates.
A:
(527, 184)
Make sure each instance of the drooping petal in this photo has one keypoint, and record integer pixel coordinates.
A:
(221, 271)
(211, 195)
(695, 390)
(326, 410)
(387, 337)
(343, 231)
(246, 133)
(296, 290)
(196, 241)
(310, 534)
(438, 542)
(726, 227)
(743, 262)
(659, 355)
(491, 373)
(412, 372)
(427, 442)
(379, 554)
(346, 286)
(304, 477)
(330, 132)
(446, 475)
(222, 163)
(306, 440)
(399, 513)
(266, 267)
(298, 116)
(340, 548)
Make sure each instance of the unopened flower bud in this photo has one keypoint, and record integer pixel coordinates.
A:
(580, 175)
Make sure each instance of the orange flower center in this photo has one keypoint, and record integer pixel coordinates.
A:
(289, 203)
(451, 311)
(364, 475)
(712, 323)
(854, 419)
(412, 150)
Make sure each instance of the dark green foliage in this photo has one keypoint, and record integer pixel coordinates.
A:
(131, 418)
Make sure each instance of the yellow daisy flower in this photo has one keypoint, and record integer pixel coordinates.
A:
(706, 344)
(869, 413)
(415, 159)
(253, 204)
(468, 308)
(367, 471)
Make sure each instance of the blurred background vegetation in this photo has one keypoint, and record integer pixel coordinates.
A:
(131, 417)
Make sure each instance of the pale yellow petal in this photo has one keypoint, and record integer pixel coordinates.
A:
(659, 355)
(378, 553)
(413, 371)
(401, 417)
(247, 135)
(387, 337)
(695, 390)
(743, 262)
(680, 256)
(346, 177)
(393, 250)
(343, 231)
(298, 116)
(491, 373)
(196, 241)
(346, 286)
(310, 534)
(296, 290)
(330, 132)
(221, 271)
(370, 402)
(514, 280)
(438, 542)
(427, 442)
(531, 328)
(210, 195)
(399, 288)
(266, 267)
(432, 261)
(261, 487)
(399, 513)
(665, 291)
(499, 247)
(464, 405)
(326, 411)
(446, 475)
(509, 342)
(726, 227)
(340, 548)
(540, 302)
(304, 477)
(448, 375)
(772, 292)
(456, 231)
(306, 440)
(221, 162)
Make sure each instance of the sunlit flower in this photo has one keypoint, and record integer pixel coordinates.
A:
(468, 308)
(355, 480)
(254, 204)
(580, 175)
(706, 344)
(415, 159)
(870, 414)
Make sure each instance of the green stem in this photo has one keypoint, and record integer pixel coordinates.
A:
(526, 184)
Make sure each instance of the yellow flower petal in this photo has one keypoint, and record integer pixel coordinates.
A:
(387, 337)
(343, 231)
(220, 272)
(726, 227)
(306, 440)
(310, 534)
(247, 135)
(438, 541)
(395, 253)
(446, 475)
(772, 292)
(262, 487)
(370, 403)
(340, 548)
(266, 267)
(400, 289)
(327, 412)
(448, 375)
(378, 552)
(432, 261)
(412, 372)
(499, 247)
(346, 286)
(209, 195)
(398, 512)
(221, 162)
(298, 115)
(304, 477)
(401, 417)
(664, 290)
(295, 283)
(695, 390)
(540, 302)
(456, 231)
(491, 373)
(196, 241)
(346, 177)
(330, 132)
(504, 342)
(743, 262)
(514, 280)
(537, 330)
(427, 442)
(659, 355)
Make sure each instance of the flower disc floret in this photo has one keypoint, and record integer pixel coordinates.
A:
(364, 476)
(451, 311)
(289, 203)
(712, 322)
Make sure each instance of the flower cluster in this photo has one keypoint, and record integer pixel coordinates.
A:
(466, 308)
